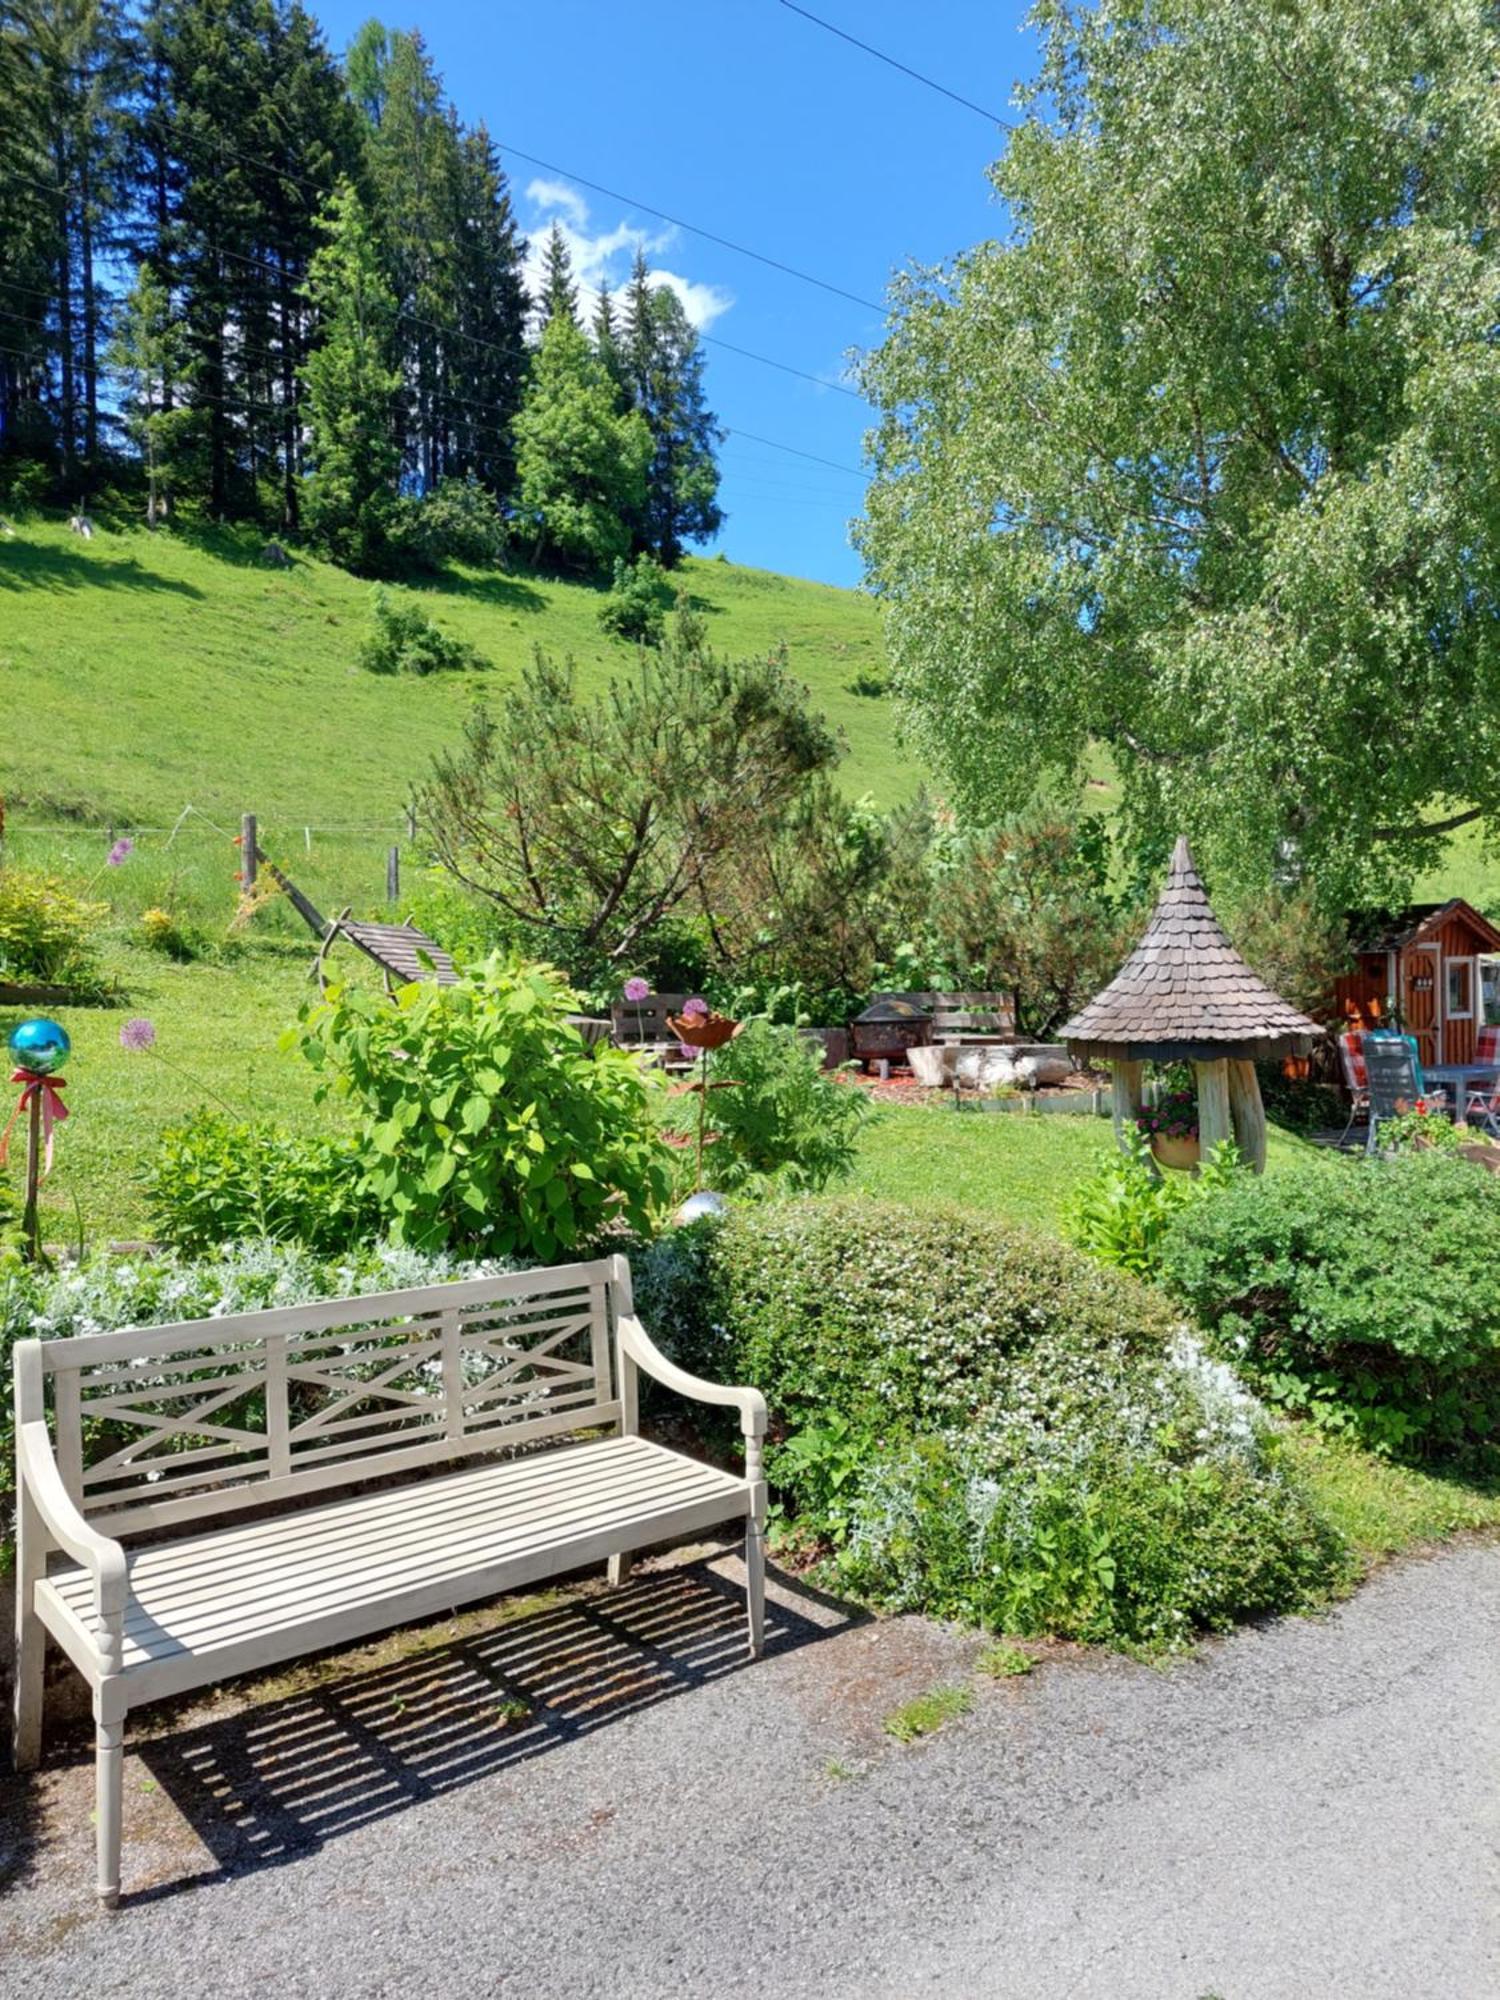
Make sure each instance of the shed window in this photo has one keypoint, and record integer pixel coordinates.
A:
(1489, 991)
(1460, 993)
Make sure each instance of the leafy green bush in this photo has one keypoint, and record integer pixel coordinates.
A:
(1040, 1445)
(111, 1292)
(1361, 1295)
(459, 520)
(47, 932)
(1121, 1214)
(215, 1181)
(484, 1121)
(405, 640)
(164, 932)
(638, 601)
(1420, 1129)
(786, 1121)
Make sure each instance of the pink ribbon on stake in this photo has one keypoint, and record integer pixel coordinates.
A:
(54, 1111)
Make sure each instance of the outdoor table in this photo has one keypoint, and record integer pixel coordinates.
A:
(1461, 1079)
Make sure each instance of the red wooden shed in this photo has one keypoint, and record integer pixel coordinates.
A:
(1434, 968)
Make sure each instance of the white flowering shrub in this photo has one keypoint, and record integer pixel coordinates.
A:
(112, 1292)
(986, 1425)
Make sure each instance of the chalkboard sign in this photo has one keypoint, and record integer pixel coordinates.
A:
(1391, 1066)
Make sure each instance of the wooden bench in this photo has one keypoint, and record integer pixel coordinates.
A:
(176, 1471)
(973, 1017)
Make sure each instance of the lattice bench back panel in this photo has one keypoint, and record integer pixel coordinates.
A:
(164, 1424)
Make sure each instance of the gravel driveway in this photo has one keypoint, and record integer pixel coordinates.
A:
(1304, 1810)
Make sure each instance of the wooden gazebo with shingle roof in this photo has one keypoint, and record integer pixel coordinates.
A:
(1185, 995)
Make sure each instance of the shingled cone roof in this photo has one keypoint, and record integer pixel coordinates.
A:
(1185, 993)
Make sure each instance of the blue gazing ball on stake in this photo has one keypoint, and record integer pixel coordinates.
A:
(41, 1046)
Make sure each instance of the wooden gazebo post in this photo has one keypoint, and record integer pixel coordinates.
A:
(1185, 995)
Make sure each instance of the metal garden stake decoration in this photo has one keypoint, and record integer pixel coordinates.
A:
(699, 1030)
(38, 1049)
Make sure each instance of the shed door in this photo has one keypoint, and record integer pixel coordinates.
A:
(1419, 998)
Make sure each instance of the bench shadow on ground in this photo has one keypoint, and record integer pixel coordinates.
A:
(278, 1780)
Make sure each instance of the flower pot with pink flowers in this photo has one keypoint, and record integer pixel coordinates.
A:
(1171, 1128)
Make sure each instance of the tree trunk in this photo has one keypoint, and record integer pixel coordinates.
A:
(90, 319)
(1214, 1121)
(69, 423)
(1127, 1096)
(1249, 1114)
(289, 406)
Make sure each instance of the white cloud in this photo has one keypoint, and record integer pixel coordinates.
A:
(604, 257)
(702, 303)
(557, 194)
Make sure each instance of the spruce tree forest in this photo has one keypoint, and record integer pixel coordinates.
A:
(249, 282)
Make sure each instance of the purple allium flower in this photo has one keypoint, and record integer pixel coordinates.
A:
(688, 1052)
(122, 848)
(138, 1034)
(636, 989)
(695, 1006)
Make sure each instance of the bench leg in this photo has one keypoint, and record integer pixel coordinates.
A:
(109, 1772)
(619, 1569)
(755, 1583)
(31, 1641)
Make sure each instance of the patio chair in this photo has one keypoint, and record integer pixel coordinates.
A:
(1433, 1095)
(1482, 1106)
(1356, 1078)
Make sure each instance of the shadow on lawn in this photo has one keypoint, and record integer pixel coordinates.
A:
(278, 1780)
(27, 566)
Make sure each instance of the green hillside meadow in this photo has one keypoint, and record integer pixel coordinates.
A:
(142, 674)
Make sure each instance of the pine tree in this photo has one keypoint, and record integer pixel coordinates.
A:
(487, 356)
(244, 130)
(352, 380)
(413, 154)
(664, 374)
(607, 343)
(308, 137)
(27, 258)
(559, 293)
(580, 460)
(79, 60)
(147, 359)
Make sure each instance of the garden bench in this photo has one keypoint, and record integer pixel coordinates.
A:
(188, 1475)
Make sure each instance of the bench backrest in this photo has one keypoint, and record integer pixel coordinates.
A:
(164, 1424)
(974, 1013)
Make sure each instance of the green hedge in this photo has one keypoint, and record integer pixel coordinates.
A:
(1363, 1295)
(988, 1425)
(981, 1423)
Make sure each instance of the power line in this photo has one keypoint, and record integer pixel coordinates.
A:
(613, 194)
(724, 243)
(461, 333)
(832, 464)
(990, 117)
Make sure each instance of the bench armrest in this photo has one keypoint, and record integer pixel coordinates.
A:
(643, 1350)
(101, 1557)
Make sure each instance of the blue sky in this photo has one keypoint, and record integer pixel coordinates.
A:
(747, 120)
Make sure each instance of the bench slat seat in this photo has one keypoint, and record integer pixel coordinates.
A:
(249, 1595)
(211, 1498)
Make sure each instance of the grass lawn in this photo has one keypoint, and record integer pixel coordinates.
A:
(1003, 1164)
(217, 1028)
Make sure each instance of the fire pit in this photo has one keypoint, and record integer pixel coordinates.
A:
(890, 1026)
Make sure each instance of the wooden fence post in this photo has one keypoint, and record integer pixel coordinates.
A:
(393, 875)
(248, 850)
